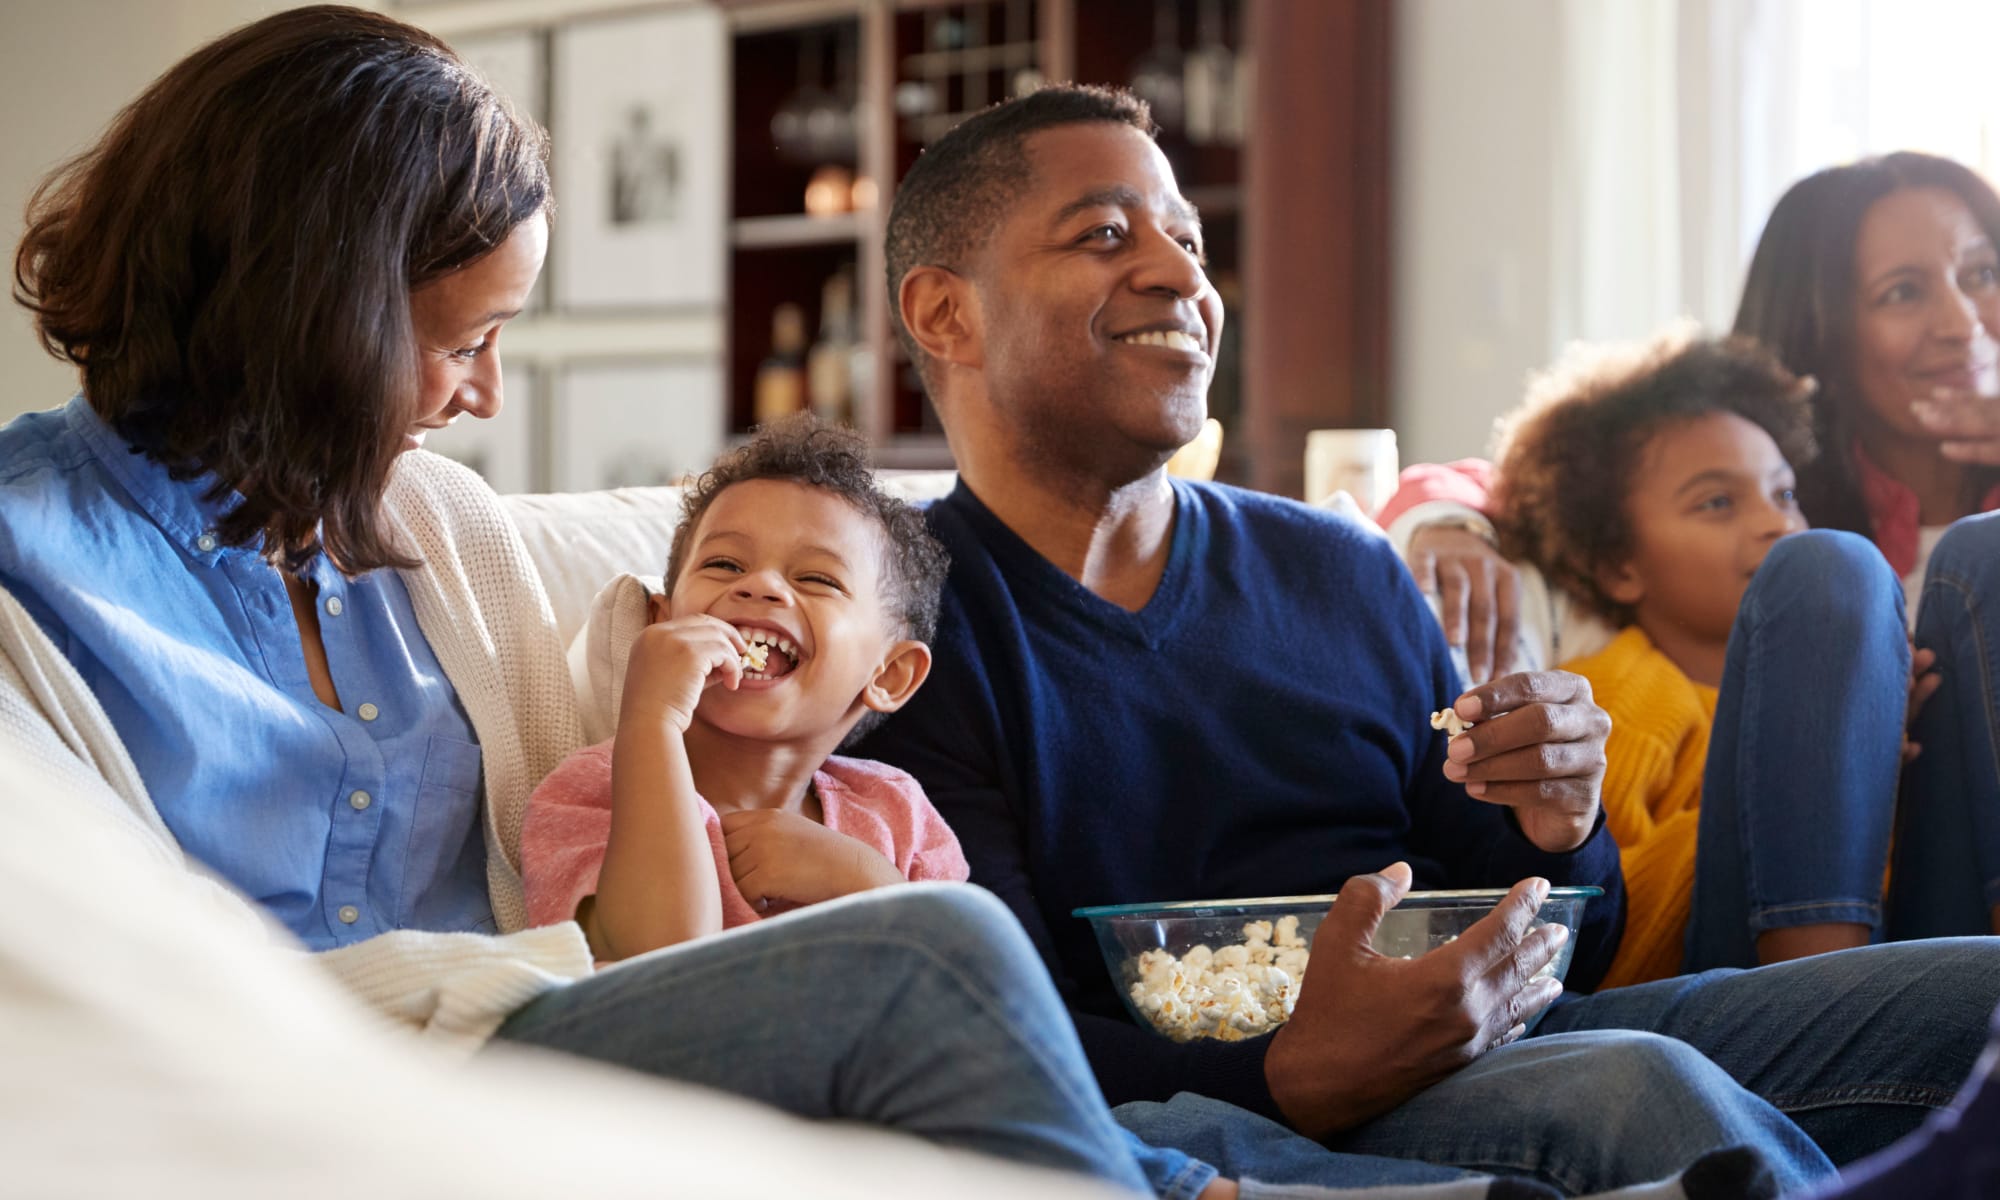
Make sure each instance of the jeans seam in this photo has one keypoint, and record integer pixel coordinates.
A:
(1915, 1095)
(1189, 1181)
(1859, 911)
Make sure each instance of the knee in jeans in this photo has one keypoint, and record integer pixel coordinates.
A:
(960, 921)
(1657, 1075)
(1838, 577)
(1969, 549)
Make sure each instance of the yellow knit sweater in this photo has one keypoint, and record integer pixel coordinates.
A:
(1652, 794)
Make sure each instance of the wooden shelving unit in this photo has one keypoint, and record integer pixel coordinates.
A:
(1294, 206)
(1296, 209)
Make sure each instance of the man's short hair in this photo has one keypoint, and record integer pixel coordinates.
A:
(955, 195)
(1567, 457)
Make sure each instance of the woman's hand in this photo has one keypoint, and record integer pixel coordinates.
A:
(1966, 424)
(1479, 595)
(787, 858)
(673, 663)
(1924, 683)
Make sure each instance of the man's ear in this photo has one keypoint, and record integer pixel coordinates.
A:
(1622, 584)
(942, 314)
(902, 672)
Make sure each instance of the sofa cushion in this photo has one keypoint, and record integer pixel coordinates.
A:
(597, 656)
(580, 540)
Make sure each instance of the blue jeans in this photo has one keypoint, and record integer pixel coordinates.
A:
(1583, 1112)
(1800, 793)
(1855, 1048)
(1949, 827)
(923, 1009)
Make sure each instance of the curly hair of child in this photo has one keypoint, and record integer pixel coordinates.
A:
(1567, 456)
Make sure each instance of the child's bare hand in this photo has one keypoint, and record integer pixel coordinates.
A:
(787, 858)
(674, 662)
(1924, 683)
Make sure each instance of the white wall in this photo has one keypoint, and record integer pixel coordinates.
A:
(66, 66)
(1477, 85)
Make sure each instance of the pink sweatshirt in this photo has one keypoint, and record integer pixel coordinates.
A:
(569, 823)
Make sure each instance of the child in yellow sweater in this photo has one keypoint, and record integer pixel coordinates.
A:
(1761, 682)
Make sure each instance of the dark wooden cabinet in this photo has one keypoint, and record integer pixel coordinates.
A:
(1293, 189)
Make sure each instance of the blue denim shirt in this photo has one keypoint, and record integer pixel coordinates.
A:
(344, 824)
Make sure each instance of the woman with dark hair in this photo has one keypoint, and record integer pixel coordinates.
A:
(250, 618)
(1904, 325)
(1881, 281)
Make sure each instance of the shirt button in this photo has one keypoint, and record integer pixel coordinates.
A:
(333, 605)
(369, 712)
(206, 543)
(349, 914)
(360, 799)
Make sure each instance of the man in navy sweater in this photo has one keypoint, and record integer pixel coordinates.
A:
(1146, 690)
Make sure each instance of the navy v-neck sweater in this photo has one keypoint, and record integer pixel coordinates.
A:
(1259, 728)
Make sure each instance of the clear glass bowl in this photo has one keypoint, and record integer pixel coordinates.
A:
(1175, 968)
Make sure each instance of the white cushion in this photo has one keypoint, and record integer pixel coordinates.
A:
(579, 540)
(597, 656)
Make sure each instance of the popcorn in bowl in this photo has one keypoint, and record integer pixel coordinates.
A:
(1239, 991)
(1230, 970)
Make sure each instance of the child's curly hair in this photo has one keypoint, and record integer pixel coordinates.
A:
(1567, 455)
(800, 449)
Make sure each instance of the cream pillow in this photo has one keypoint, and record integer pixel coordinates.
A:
(597, 655)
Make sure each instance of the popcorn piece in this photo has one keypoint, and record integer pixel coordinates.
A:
(756, 656)
(1448, 720)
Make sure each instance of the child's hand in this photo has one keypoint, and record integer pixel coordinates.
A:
(786, 857)
(1924, 682)
(673, 662)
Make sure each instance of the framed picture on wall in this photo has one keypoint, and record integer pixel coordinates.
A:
(515, 63)
(501, 448)
(641, 109)
(635, 424)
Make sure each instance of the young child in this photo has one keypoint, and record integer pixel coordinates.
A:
(1651, 484)
(799, 600)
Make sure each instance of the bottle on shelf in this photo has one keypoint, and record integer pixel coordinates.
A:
(829, 379)
(781, 378)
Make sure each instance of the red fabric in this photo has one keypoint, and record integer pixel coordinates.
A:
(1469, 481)
(569, 823)
(1895, 514)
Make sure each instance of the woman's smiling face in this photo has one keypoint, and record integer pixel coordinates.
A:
(457, 322)
(1926, 307)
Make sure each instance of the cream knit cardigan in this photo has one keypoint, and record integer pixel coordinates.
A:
(480, 603)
